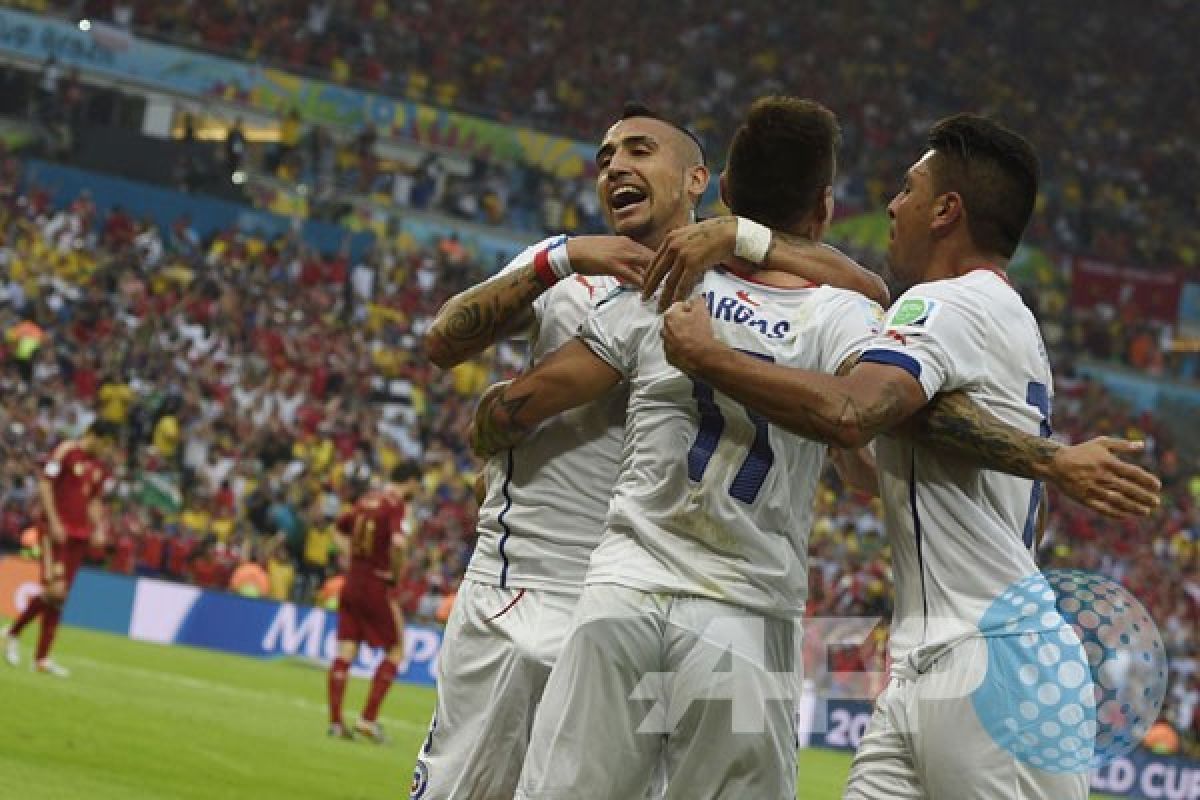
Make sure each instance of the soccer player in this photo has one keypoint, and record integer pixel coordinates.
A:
(367, 612)
(961, 536)
(546, 498)
(704, 552)
(71, 488)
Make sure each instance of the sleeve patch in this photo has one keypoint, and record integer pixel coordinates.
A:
(914, 312)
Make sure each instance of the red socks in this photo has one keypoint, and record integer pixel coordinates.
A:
(50, 617)
(385, 674)
(28, 615)
(338, 675)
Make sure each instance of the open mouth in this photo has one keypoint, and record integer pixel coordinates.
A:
(624, 198)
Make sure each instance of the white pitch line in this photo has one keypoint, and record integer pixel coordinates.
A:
(231, 691)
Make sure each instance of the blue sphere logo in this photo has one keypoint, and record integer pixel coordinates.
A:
(1076, 671)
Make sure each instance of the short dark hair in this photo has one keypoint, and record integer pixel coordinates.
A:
(782, 157)
(633, 109)
(994, 170)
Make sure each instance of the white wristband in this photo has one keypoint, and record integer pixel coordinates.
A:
(559, 261)
(752, 241)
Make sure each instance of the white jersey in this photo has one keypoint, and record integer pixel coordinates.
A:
(547, 497)
(960, 535)
(710, 501)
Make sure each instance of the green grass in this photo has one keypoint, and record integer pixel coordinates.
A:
(144, 721)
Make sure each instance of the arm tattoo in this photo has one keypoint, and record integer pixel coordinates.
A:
(496, 424)
(955, 424)
(474, 320)
(875, 417)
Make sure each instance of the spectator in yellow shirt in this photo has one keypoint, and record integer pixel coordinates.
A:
(166, 436)
(115, 398)
(281, 574)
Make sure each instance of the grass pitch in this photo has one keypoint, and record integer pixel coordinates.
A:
(140, 721)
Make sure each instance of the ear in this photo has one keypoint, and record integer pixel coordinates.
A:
(696, 183)
(824, 214)
(946, 212)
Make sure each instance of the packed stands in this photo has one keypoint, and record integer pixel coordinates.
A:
(1122, 175)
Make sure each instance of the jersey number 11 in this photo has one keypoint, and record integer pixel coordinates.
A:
(753, 473)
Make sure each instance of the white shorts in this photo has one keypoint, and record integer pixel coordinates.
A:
(704, 688)
(926, 741)
(497, 652)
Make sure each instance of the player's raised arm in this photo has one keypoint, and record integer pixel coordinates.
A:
(875, 397)
(1091, 472)
(845, 412)
(477, 318)
(508, 411)
(687, 253)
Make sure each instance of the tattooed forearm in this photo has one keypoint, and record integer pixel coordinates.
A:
(860, 421)
(954, 423)
(496, 426)
(845, 412)
(474, 320)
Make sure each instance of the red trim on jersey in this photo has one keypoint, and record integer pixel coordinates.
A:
(507, 608)
(749, 277)
(542, 268)
(999, 272)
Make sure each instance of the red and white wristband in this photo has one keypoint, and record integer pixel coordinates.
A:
(552, 264)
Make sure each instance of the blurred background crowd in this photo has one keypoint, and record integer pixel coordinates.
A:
(260, 383)
(1121, 174)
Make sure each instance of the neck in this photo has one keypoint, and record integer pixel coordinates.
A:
(953, 261)
(802, 233)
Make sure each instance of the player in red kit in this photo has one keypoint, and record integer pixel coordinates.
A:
(367, 610)
(71, 487)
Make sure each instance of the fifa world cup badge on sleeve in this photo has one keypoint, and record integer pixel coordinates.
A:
(914, 312)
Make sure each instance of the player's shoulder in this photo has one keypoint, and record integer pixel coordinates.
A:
(965, 295)
(980, 285)
(825, 308)
(837, 299)
(526, 255)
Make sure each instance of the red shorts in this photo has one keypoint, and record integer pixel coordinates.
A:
(366, 613)
(70, 554)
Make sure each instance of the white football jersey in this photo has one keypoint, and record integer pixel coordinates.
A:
(960, 535)
(711, 501)
(547, 497)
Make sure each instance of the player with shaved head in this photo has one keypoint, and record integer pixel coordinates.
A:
(546, 497)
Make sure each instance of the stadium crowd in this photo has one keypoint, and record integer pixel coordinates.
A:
(1085, 204)
(1121, 175)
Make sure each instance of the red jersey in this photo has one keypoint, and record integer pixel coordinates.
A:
(375, 525)
(78, 479)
